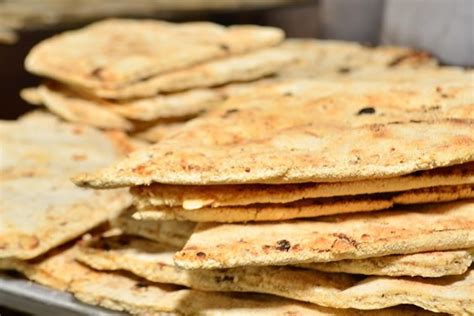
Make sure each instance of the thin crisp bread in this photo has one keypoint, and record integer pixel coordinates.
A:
(426, 264)
(338, 59)
(305, 208)
(160, 131)
(40, 207)
(119, 292)
(196, 197)
(66, 102)
(71, 108)
(174, 233)
(240, 68)
(297, 138)
(403, 230)
(154, 262)
(116, 52)
(59, 270)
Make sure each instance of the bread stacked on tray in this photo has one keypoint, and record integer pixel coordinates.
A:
(341, 185)
(42, 215)
(355, 196)
(150, 77)
(131, 74)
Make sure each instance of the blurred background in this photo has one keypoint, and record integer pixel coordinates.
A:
(444, 28)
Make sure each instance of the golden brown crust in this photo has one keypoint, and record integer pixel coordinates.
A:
(303, 138)
(154, 262)
(305, 208)
(196, 197)
(41, 208)
(116, 52)
(404, 230)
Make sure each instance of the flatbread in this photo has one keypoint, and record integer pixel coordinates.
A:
(404, 230)
(143, 298)
(427, 264)
(305, 208)
(45, 269)
(138, 296)
(297, 138)
(340, 61)
(196, 197)
(31, 95)
(72, 108)
(245, 67)
(323, 58)
(154, 262)
(160, 131)
(40, 207)
(54, 95)
(172, 233)
(116, 52)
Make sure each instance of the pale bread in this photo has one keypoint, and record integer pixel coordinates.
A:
(172, 233)
(175, 105)
(245, 67)
(59, 99)
(299, 138)
(115, 52)
(31, 95)
(426, 264)
(304, 208)
(59, 270)
(40, 207)
(138, 297)
(48, 269)
(197, 197)
(404, 230)
(341, 61)
(154, 262)
(160, 131)
(72, 108)
(325, 58)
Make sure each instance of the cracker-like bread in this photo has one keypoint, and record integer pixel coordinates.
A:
(74, 104)
(196, 197)
(426, 264)
(175, 105)
(403, 230)
(70, 107)
(159, 131)
(50, 269)
(174, 233)
(379, 132)
(304, 208)
(155, 263)
(161, 114)
(338, 59)
(137, 296)
(116, 52)
(245, 67)
(40, 207)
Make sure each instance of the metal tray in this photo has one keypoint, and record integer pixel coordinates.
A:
(25, 296)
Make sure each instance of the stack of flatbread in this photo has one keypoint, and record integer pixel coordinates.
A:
(150, 77)
(342, 185)
(42, 214)
(357, 197)
(132, 74)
